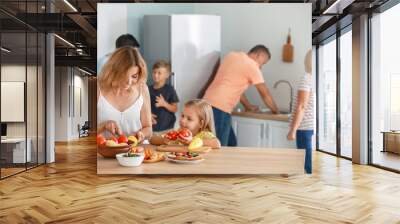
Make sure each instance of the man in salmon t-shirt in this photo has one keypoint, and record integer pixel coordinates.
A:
(235, 74)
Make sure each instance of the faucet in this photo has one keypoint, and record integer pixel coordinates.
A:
(291, 92)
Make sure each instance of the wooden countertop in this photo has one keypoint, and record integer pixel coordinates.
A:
(227, 160)
(263, 116)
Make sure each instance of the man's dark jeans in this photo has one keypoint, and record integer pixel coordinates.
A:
(223, 127)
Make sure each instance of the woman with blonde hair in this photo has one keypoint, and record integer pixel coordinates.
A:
(302, 119)
(123, 105)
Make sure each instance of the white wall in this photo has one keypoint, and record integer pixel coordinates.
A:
(34, 124)
(112, 23)
(17, 73)
(67, 81)
(61, 104)
(243, 26)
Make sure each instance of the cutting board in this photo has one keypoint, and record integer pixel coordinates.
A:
(287, 55)
(182, 148)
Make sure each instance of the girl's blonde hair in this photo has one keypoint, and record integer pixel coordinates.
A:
(115, 70)
(205, 113)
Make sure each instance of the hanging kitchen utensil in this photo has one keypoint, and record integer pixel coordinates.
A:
(287, 55)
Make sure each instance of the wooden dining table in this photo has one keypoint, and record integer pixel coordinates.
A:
(224, 161)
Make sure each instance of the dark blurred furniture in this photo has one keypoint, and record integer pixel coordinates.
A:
(84, 129)
(391, 141)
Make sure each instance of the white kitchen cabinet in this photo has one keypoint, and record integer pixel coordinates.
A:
(251, 132)
(278, 136)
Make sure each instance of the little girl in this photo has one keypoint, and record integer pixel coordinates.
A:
(197, 116)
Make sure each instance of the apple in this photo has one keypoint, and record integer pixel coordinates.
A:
(122, 139)
(100, 139)
(132, 140)
(114, 139)
(111, 143)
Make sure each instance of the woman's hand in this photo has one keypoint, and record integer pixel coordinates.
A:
(140, 136)
(112, 127)
(291, 135)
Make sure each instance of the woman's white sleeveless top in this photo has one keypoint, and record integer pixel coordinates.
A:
(128, 120)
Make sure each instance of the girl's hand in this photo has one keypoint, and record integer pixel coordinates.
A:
(160, 101)
(291, 135)
(167, 141)
(140, 136)
(112, 127)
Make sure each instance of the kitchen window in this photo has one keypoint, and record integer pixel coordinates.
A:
(334, 96)
(346, 75)
(385, 89)
(327, 96)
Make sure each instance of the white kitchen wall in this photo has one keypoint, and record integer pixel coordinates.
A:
(112, 20)
(243, 26)
(118, 19)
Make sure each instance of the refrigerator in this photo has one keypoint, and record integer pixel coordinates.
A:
(191, 43)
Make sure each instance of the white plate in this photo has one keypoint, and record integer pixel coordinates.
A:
(185, 161)
(169, 157)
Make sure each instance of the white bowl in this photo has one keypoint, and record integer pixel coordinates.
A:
(129, 161)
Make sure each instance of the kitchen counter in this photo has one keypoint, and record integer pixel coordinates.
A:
(227, 160)
(263, 116)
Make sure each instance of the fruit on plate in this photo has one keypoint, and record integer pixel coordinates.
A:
(195, 143)
(100, 139)
(185, 136)
(114, 139)
(185, 156)
(122, 139)
(155, 157)
(148, 153)
(111, 143)
(132, 140)
(171, 135)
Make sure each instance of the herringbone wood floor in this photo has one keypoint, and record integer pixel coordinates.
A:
(69, 191)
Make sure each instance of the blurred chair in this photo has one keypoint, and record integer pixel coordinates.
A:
(84, 130)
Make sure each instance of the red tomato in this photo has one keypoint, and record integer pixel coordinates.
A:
(185, 136)
(172, 135)
(114, 139)
(100, 140)
(184, 133)
(122, 139)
